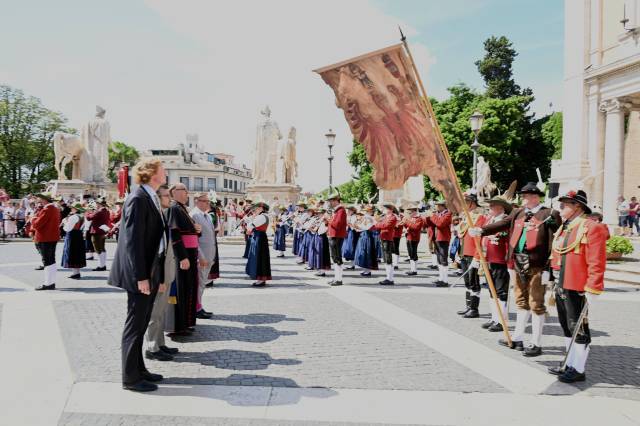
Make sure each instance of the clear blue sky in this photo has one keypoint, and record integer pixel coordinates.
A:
(164, 68)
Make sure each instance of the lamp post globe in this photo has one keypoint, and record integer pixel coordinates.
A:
(331, 139)
(476, 120)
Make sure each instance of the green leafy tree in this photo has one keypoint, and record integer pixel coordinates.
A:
(361, 187)
(552, 134)
(120, 152)
(496, 68)
(26, 141)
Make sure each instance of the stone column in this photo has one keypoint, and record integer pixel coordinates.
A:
(613, 157)
(594, 184)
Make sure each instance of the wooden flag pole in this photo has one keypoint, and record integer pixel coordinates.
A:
(483, 261)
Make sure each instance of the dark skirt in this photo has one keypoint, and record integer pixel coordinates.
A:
(88, 244)
(376, 237)
(214, 272)
(279, 239)
(73, 253)
(366, 255)
(258, 264)
(349, 245)
(305, 245)
(187, 289)
(297, 240)
(320, 257)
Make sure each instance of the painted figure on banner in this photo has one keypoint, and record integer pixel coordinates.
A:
(266, 150)
(382, 105)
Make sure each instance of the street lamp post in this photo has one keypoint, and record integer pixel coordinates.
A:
(331, 138)
(476, 124)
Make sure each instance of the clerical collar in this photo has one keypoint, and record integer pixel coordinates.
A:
(534, 210)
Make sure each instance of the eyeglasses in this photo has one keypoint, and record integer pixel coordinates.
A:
(180, 189)
(164, 195)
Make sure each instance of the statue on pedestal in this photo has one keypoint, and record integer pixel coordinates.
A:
(266, 150)
(484, 186)
(288, 157)
(96, 136)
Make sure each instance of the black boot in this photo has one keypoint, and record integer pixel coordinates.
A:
(474, 302)
(464, 311)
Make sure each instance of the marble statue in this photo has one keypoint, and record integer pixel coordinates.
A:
(266, 150)
(484, 186)
(96, 136)
(67, 149)
(288, 157)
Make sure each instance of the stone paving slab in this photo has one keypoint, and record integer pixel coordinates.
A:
(90, 419)
(614, 363)
(306, 339)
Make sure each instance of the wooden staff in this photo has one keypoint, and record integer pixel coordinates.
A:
(443, 146)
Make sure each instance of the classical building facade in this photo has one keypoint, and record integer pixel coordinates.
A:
(601, 101)
(203, 171)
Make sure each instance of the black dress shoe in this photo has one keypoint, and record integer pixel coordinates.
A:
(151, 377)
(571, 375)
(75, 276)
(442, 284)
(518, 346)
(320, 274)
(168, 350)
(532, 350)
(201, 314)
(39, 268)
(473, 313)
(46, 287)
(259, 284)
(432, 267)
(100, 268)
(350, 268)
(90, 258)
(556, 371)
(495, 327)
(487, 324)
(365, 274)
(335, 283)
(396, 268)
(464, 311)
(158, 356)
(209, 284)
(411, 273)
(141, 386)
(386, 282)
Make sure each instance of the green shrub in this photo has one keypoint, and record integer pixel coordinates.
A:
(619, 244)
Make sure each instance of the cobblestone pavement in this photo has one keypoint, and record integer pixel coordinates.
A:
(296, 334)
(614, 360)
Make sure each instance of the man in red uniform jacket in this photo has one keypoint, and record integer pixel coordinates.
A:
(46, 227)
(497, 246)
(441, 221)
(579, 257)
(100, 226)
(337, 232)
(470, 256)
(387, 228)
(413, 224)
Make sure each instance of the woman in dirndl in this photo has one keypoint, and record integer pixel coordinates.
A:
(366, 255)
(279, 238)
(321, 260)
(259, 264)
(350, 243)
(73, 252)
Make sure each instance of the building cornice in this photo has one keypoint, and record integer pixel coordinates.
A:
(631, 63)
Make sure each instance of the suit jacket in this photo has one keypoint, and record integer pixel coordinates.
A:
(207, 239)
(137, 257)
(539, 239)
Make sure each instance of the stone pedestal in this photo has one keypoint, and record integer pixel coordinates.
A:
(284, 193)
(78, 188)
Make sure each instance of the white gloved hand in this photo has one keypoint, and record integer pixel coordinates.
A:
(475, 263)
(546, 278)
(475, 232)
(591, 298)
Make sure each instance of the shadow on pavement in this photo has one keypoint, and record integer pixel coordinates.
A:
(220, 333)
(255, 318)
(230, 359)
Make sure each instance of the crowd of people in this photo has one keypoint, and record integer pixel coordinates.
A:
(628, 218)
(167, 254)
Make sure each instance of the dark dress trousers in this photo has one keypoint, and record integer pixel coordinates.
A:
(137, 259)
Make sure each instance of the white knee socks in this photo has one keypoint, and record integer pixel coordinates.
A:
(522, 319)
(537, 324)
(413, 266)
(389, 269)
(337, 271)
(102, 259)
(444, 273)
(434, 259)
(50, 274)
(396, 259)
(580, 355)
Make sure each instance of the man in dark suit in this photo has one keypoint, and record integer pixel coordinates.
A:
(138, 268)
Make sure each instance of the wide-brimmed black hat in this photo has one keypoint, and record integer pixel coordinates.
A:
(531, 188)
(264, 206)
(579, 197)
(472, 196)
(391, 206)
